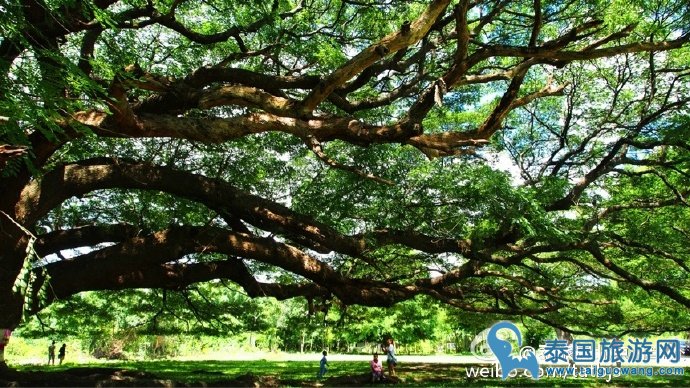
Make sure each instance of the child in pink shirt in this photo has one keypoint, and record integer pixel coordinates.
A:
(376, 369)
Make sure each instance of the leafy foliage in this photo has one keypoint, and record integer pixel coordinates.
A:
(502, 158)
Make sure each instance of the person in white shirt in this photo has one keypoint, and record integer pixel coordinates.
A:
(391, 360)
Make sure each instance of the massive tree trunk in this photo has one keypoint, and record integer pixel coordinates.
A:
(14, 244)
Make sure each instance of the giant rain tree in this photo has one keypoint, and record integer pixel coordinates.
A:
(524, 158)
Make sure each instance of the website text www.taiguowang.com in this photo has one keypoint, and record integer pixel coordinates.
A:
(590, 371)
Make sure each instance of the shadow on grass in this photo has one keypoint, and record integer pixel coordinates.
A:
(263, 373)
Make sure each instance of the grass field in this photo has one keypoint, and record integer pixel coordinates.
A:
(288, 373)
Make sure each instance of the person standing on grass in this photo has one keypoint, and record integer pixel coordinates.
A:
(323, 366)
(61, 353)
(391, 360)
(51, 353)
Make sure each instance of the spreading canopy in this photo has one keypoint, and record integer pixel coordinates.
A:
(512, 157)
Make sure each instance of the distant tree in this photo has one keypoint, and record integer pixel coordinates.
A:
(202, 309)
(522, 158)
(408, 322)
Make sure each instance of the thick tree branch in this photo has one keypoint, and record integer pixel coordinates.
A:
(90, 235)
(9, 152)
(61, 284)
(39, 197)
(172, 244)
(141, 262)
(390, 44)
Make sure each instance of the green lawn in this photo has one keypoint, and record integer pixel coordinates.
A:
(295, 373)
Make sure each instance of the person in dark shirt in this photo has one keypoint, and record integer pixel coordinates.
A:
(61, 353)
